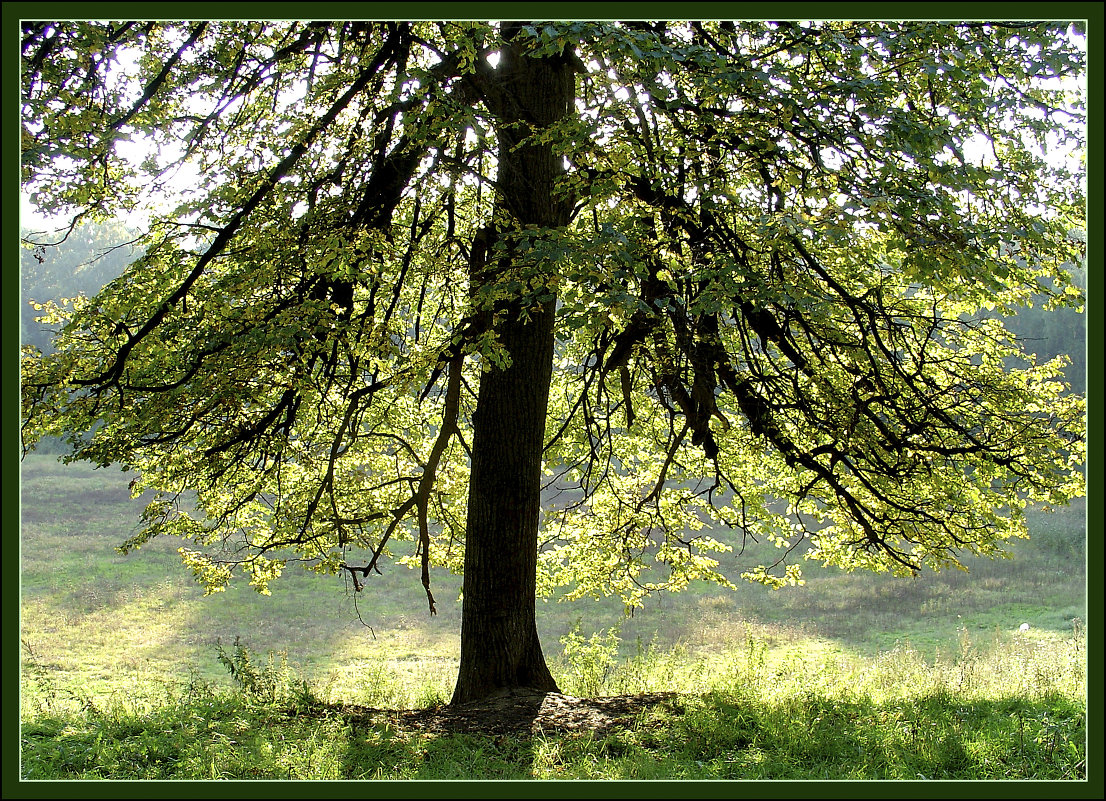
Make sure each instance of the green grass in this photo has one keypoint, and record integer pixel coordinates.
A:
(1012, 710)
(850, 676)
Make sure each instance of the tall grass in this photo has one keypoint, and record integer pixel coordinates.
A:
(1006, 708)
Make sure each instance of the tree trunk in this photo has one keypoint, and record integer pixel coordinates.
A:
(499, 637)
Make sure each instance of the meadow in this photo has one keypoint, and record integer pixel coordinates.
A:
(128, 672)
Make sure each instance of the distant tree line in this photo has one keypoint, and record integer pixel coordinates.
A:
(54, 266)
(1049, 333)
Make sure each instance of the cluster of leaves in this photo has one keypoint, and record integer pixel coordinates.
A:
(798, 291)
(769, 298)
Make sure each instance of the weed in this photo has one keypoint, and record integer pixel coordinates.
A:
(272, 683)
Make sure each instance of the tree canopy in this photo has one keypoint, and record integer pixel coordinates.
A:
(761, 258)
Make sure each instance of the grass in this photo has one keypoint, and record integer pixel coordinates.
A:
(851, 676)
(1011, 710)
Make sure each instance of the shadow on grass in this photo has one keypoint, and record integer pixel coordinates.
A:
(713, 736)
(935, 736)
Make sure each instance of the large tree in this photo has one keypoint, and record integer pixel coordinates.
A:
(675, 276)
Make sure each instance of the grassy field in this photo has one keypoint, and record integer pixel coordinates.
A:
(128, 672)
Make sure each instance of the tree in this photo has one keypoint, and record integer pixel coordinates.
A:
(1049, 333)
(679, 275)
(80, 265)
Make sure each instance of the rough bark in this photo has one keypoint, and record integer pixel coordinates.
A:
(499, 639)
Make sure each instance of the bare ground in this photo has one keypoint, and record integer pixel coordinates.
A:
(521, 712)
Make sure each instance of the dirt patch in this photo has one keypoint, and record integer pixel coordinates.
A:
(521, 712)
